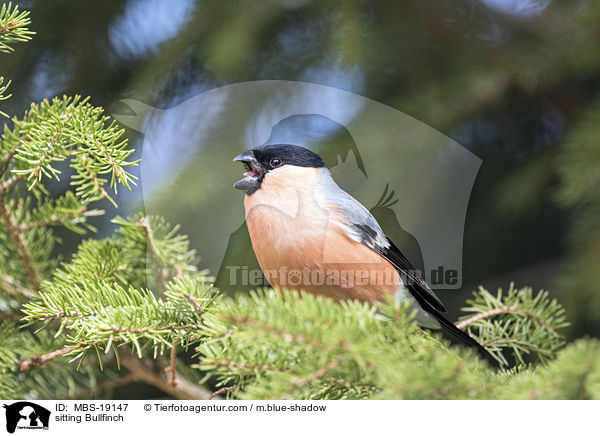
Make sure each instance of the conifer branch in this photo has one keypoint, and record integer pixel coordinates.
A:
(97, 183)
(184, 390)
(108, 385)
(518, 322)
(4, 96)
(195, 303)
(53, 219)
(8, 183)
(14, 287)
(6, 159)
(221, 391)
(315, 375)
(35, 361)
(54, 131)
(160, 274)
(18, 239)
(489, 314)
(13, 27)
(104, 314)
(172, 368)
(176, 385)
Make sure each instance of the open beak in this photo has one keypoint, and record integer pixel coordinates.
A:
(253, 175)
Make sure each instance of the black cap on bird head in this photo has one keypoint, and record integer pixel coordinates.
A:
(260, 160)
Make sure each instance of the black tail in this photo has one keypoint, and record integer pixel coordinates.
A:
(464, 338)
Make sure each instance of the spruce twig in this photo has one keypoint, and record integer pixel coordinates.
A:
(489, 314)
(35, 361)
(13, 27)
(18, 239)
(184, 390)
(157, 269)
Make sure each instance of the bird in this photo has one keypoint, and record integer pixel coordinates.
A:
(308, 234)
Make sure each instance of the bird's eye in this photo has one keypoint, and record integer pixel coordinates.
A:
(275, 162)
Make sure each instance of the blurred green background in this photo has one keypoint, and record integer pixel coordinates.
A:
(516, 82)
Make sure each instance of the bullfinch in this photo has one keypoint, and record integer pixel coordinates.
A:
(309, 234)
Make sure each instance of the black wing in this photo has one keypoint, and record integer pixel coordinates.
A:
(362, 227)
(418, 287)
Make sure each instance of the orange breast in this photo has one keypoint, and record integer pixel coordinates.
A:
(300, 245)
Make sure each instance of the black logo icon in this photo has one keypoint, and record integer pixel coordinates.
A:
(26, 415)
